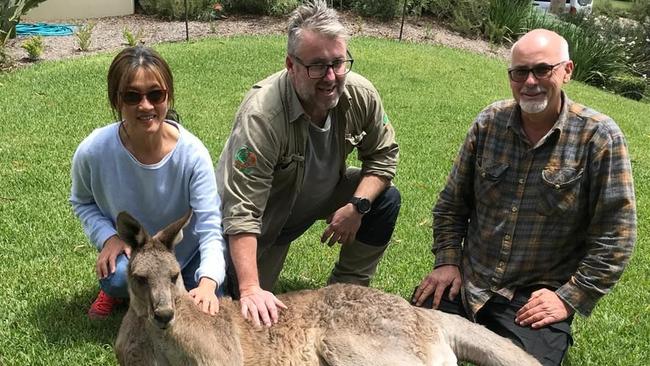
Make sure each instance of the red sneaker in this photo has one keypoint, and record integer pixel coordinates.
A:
(103, 305)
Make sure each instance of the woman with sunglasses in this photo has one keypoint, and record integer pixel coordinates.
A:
(150, 166)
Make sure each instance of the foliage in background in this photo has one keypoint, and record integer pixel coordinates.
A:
(506, 19)
(469, 17)
(6, 61)
(641, 11)
(10, 13)
(34, 47)
(628, 85)
(596, 58)
(84, 36)
(263, 7)
(381, 9)
(175, 9)
(131, 38)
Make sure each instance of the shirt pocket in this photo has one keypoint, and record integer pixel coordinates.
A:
(559, 191)
(489, 176)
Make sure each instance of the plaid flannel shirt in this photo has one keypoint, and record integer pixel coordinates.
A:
(560, 213)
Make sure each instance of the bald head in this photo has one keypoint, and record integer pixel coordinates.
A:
(540, 44)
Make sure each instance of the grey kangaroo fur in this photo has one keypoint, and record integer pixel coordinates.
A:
(339, 325)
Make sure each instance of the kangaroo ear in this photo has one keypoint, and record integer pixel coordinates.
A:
(173, 233)
(131, 231)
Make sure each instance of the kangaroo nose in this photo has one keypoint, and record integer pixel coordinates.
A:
(163, 316)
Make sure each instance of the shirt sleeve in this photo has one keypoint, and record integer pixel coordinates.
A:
(611, 232)
(455, 202)
(378, 150)
(205, 203)
(246, 168)
(97, 227)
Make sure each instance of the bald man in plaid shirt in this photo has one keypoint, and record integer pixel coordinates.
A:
(537, 220)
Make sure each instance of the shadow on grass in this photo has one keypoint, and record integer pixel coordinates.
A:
(295, 284)
(64, 322)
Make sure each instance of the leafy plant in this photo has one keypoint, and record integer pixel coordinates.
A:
(131, 38)
(175, 9)
(595, 56)
(34, 47)
(506, 19)
(84, 36)
(628, 85)
(469, 16)
(382, 9)
(6, 61)
(10, 13)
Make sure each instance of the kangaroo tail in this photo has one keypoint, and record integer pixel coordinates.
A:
(475, 343)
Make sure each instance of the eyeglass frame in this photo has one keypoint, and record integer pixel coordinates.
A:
(547, 75)
(327, 66)
(164, 92)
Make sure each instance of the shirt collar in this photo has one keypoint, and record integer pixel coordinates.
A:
(514, 121)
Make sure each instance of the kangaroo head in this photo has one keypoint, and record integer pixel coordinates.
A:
(153, 274)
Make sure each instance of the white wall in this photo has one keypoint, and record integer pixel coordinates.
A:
(78, 9)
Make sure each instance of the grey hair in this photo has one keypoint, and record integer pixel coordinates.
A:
(315, 16)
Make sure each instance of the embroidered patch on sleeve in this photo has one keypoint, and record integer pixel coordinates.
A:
(385, 119)
(245, 159)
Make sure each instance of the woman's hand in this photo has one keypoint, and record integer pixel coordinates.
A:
(204, 296)
(113, 247)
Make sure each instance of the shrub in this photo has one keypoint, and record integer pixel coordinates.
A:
(382, 9)
(641, 11)
(34, 47)
(264, 7)
(175, 9)
(6, 61)
(84, 36)
(628, 85)
(596, 57)
(506, 19)
(10, 13)
(469, 17)
(131, 38)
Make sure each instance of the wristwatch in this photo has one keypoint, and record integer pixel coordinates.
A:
(361, 203)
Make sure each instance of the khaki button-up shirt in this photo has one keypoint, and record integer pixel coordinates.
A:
(261, 168)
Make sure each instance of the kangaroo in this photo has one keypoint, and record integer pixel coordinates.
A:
(338, 325)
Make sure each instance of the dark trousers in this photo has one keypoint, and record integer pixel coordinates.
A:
(357, 260)
(548, 344)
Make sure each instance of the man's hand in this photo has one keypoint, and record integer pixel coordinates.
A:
(543, 308)
(259, 304)
(436, 283)
(113, 247)
(343, 225)
(204, 296)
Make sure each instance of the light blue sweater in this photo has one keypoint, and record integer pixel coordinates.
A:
(107, 179)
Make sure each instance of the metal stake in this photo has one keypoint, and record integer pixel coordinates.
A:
(401, 28)
(187, 30)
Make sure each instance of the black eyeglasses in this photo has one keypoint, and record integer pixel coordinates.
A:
(317, 71)
(541, 71)
(154, 97)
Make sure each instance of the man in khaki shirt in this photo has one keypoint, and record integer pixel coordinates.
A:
(283, 166)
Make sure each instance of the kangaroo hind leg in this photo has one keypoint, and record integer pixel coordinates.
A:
(345, 348)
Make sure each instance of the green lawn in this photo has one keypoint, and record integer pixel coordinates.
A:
(431, 94)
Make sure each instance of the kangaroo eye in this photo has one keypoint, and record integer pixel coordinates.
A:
(140, 280)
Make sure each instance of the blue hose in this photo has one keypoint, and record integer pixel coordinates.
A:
(44, 29)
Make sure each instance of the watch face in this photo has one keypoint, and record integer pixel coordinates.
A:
(363, 205)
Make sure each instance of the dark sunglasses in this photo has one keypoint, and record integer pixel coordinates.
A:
(541, 71)
(154, 97)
